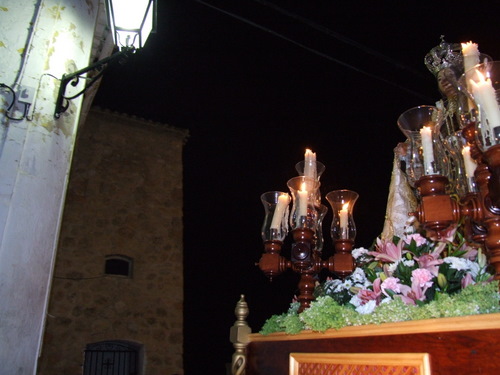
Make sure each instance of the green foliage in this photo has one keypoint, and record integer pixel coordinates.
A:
(325, 313)
(288, 322)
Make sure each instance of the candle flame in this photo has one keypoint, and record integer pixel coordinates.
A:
(309, 154)
(469, 47)
(482, 79)
(303, 186)
(284, 198)
(345, 206)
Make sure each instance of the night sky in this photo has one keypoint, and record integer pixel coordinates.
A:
(256, 83)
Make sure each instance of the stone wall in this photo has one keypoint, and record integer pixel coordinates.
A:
(124, 198)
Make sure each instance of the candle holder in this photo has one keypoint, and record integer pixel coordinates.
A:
(342, 202)
(316, 167)
(425, 154)
(481, 85)
(273, 232)
(305, 192)
(306, 220)
(318, 235)
(343, 228)
(461, 166)
(275, 226)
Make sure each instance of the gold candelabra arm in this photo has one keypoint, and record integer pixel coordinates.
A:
(239, 337)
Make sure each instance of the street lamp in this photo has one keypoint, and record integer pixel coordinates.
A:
(131, 22)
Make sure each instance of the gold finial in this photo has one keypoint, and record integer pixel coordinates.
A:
(239, 337)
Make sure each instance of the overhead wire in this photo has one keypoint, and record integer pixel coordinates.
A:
(315, 51)
(338, 36)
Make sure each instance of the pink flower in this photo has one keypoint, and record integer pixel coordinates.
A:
(467, 280)
(470, 252)
(366, 295)
(421, 277)
(419, 240)
(420, 282)
(391, 283)
(429, 262)
(387, 251)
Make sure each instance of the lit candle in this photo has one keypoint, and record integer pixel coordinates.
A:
(310, 164)
(283, 201)
(470, 164)
(343, 213)
(470, 52)
(485, 97)
(302, 204)
(426, 134)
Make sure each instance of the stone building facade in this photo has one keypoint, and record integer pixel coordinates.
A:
(117, 293)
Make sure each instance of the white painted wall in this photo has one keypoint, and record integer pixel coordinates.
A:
(35, 157)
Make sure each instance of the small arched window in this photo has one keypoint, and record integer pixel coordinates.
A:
(118, 265)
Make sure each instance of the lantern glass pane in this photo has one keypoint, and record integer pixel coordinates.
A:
(129, 14)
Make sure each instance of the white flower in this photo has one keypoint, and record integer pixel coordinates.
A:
(347, 284)
(356, 253)
(358, 276)
(462, 264)
(474, 268)
(367, 308)
(355, 301)
(332, 285)
(456, 263)
(409, 263)
(392, 267)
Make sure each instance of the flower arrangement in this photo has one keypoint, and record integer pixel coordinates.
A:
(407, 278)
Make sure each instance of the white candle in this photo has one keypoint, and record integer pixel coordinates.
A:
(310, 164)
(485, 97)
(344, 214)
(302, 204)
(426, 134)
(470, 164)
(283, 201)
(470, 52)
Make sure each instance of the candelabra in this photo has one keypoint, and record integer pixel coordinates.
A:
(452, 162)
(304, 223)
(455, 168)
